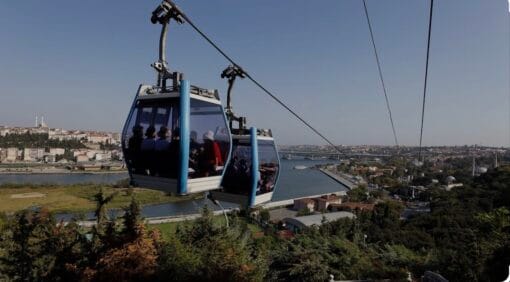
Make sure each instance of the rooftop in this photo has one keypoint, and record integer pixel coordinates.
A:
(316, 219)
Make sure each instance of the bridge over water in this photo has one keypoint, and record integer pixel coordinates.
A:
(336, 156)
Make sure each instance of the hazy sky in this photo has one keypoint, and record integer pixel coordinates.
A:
(79, 63)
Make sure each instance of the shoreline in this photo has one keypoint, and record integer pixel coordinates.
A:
(339, 178)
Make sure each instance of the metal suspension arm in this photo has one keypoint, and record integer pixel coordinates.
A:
(231, 73)
(165, 12)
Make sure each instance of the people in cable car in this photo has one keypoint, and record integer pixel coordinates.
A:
(267, 176)
(147, 148)
(134, 146)
(210, 158)
(172, 158)
(237, 178)
(161, 148)
(149, 143)
(194, 152)
(162, 143)
(158, 153)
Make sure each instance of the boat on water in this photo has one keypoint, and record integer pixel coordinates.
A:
(300, 167)
(287, 157)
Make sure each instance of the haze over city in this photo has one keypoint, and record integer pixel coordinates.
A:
(80, 65)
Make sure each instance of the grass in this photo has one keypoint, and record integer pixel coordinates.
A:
(168, 229)
(77, 198)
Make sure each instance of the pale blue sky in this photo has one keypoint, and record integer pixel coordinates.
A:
(79, 63)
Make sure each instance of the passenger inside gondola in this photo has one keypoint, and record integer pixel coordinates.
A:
(147, 148)
(209, 140)
(159, 154)
(268, 167)
(161, 148)
(162, 143)
(134, 147)
(172, 158)
(267, 178)
(210, 158)
(194, 153)
(149, 143)
(238, 177)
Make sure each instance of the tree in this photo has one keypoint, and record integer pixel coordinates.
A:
(358, 194)
(135, 260)
(35, 248)
(203, 251)
(131, 219)
(304, 211)
(264, 215)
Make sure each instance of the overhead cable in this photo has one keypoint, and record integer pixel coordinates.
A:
(426, 78)
(258, 84)
(380, 73)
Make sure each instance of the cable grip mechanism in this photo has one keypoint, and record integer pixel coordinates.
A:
(163, 14)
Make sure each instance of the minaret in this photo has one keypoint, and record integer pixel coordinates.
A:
(36, 121)
(474, 166)
(42, 120)
(496, 160)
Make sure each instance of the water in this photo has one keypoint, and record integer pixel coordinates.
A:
(292, 183)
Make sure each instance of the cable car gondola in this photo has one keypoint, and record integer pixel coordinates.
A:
(176, 138)
(251, 175)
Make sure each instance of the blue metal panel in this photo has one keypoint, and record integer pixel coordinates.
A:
(184, 116)
(254, 165)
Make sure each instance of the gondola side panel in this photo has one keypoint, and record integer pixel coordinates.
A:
(255, 165)
(184, 137)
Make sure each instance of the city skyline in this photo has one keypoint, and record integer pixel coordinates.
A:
(81, 70)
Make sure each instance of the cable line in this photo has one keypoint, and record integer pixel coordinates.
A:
(187, 19)
(380, 72)
(426, 77)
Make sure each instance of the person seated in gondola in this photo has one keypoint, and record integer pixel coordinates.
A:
(161, 150)
(230, 180)
(267, 173)
(148, 146)
(194, 153)
(244, 176)
(162, 143)
(172, 158)
(134, 147)
(149, 143)
(210, 158)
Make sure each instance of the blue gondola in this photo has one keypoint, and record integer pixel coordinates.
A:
(252, 173)
(176, 138)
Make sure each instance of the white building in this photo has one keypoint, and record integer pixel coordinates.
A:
(57, 151)
(82, 158)
(3, 154)
(12, 154)
(91, 154)
(4, 131)
(303, 204)
(33, 154)
(295, 224)
(50, 158)
(99, 137)
(104, 156)
(79, 152)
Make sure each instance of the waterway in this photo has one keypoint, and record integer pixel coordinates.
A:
(292, 183)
